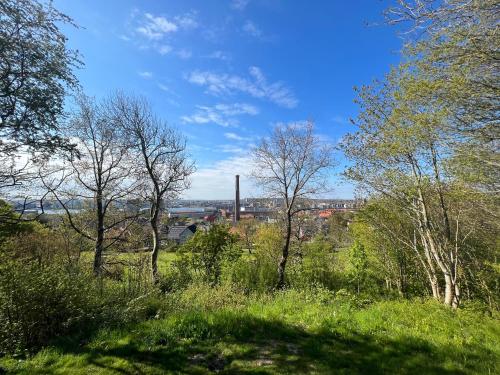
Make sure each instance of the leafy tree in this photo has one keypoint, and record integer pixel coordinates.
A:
(453, 46)
(9, 222)
(402, 151)
(338, 229)
(358, 264)
(246, 229)
(316, 265)
(36, 73)
(388, 235)
(208, 250)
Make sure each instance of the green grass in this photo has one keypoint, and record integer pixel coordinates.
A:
(289, 333)
(165, 258)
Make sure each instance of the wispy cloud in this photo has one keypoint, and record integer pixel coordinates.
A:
(220, 114)
(165, 88)
(155, 27)
(146, 75)
(151, 31)
(187, 20)
(256, 86)
(231, 149)
(163, 49)
(239, 4)
(219, 55)
(184, 53)
(236, 137)
(171, 96)
(252, 29)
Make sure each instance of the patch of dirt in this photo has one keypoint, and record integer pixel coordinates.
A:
(215, 363)
(263, 362)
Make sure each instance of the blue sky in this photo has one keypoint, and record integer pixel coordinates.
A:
(224, 72)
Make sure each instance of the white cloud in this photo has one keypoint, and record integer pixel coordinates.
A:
(236, 137)
(184, 54)
(146, 75)
(187, 20)
(237, 109)
(217, 180)
(165, 88)
(155, 27)
(257, 86)
(219, 55)
(252, 29)
(164, 49)
(149, 31)
(239, 4)
(220, 114)
(231, 149)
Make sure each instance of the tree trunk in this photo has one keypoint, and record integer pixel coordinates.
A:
(156, 245)
(284, 255)
(456, 300)
(155, 231)
(99, 243)
(436, 293)
(449, 291)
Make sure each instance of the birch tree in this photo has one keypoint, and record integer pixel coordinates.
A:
(454, 45)
(400, 151)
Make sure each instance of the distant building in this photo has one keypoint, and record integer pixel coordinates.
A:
(200, 213)
(181, 233)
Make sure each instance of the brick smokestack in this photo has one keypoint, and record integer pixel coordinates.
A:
(237, 201)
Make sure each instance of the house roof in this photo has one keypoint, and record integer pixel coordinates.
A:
(175, 232)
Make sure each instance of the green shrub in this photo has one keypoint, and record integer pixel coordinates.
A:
(316, 267)
(206, 252)
(199, 296)
(258, 271)
(253, 273)
(40, 303)
(178, 276)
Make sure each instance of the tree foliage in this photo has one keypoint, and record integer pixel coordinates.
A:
(36, 72)
(208, 250)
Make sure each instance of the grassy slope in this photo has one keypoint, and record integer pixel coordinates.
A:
(292, 333)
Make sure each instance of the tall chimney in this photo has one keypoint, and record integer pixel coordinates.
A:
(236, 215)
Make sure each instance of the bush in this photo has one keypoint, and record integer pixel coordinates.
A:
(316, 267)
(207, 251)
(258, 271)
(40, 303)
(202, 297)
(153, 305)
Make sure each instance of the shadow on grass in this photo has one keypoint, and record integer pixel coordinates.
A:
(244, 344)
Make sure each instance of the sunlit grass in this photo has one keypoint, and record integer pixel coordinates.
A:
(289, 333)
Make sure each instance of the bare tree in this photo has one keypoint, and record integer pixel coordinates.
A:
(101, 172)
(292, 165)
(163, 163)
